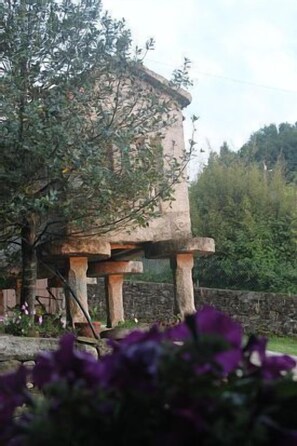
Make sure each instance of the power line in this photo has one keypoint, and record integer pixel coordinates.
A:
(241, 81)
(231, 79)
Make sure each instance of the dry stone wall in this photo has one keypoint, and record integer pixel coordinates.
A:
(264, 313)
(15, 350)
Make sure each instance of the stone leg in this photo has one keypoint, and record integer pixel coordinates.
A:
(182, 265)
(77, 279)
(114, 297)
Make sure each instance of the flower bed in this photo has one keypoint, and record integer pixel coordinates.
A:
(19, 322)
(195, 383)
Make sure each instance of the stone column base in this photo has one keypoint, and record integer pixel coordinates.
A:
(182, 265)
(114, 296)
(77, 279)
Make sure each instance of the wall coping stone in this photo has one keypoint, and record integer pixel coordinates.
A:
(15, 348)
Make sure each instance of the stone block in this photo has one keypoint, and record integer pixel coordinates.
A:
(17, 350)
(109, 268)
(91, 247)
(168, 248)
(25, 349)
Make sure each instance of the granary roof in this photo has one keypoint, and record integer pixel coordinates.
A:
(182, 96)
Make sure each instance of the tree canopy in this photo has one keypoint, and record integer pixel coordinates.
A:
(272, 144)
(81, 132)
(251, 213)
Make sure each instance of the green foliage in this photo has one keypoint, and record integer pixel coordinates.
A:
(94, 312)
(74, 107)
(271, 144)
(133, 323)
(77, 119)
(51, 326)
(152, 276)
(252, 216)
(20, 323)
(157, 271)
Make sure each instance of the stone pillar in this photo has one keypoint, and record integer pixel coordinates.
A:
(114, 296)
(77, 280)
(114, 277)
(182, 265)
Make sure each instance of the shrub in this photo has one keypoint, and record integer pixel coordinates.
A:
(195, 383)
(20, 323)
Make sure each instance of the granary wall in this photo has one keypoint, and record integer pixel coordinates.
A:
(174, 221)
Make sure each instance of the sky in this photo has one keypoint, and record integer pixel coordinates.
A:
(244, 62)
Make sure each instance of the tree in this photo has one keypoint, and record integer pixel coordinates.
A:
(227, 156)
(251, 213)
(271, 144)
(77, 152)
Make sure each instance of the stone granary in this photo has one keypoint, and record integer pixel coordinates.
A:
(117, 254)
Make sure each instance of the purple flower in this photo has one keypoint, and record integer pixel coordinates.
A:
(188, 421)
(66, 364)
(134, 362)
(138, 336)
(24, 309)
(12, 395)
(211, 321)
(208, 321)
(224, 335)
(274, 367)
(228, 360)
(179, 332)
(256, 344)
(269, 366)
(219, 363)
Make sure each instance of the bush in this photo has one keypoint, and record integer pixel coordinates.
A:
(195, 383)
(20, 323)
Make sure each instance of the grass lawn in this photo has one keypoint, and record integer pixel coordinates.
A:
(284, 344)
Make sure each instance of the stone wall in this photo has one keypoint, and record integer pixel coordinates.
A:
(264, 313)
(146, 301)
(15, 350)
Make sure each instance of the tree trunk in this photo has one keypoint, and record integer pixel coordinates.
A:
(29, 266)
